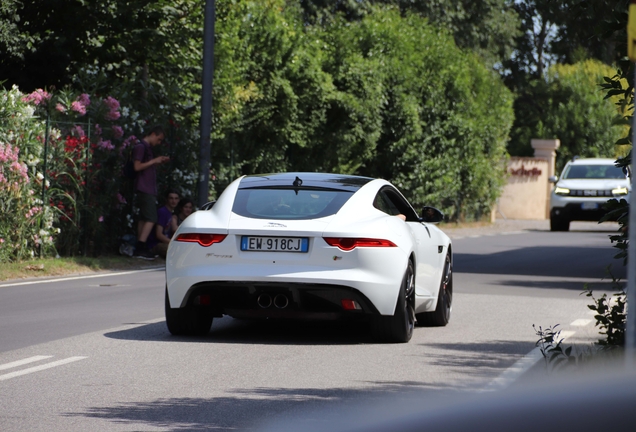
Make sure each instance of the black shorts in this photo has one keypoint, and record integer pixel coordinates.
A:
(147, 207)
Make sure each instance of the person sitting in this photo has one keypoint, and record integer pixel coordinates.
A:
(181, 212)
(163, 227)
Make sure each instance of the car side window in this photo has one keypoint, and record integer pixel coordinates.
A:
(382, 203)
(391, 202)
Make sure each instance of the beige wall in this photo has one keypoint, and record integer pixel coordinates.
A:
(526, 195)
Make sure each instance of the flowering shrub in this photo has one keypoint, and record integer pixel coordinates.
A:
(61, 189)
(26, 225)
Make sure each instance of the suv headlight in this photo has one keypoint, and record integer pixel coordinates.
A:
(561, 191)
(619, 191)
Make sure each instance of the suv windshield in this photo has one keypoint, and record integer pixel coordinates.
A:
(289, 203)
(593, 172)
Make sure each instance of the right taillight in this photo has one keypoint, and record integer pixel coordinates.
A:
(350, 243)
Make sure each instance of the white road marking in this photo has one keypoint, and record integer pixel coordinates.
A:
(521, 366)
(23, 362)
(40, 368)
(515, 371)
(580, 322)
(80, 277)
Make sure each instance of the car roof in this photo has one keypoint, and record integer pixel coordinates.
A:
(307, 180)
(593, 161)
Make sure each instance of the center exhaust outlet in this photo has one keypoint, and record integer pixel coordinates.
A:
(281, 301)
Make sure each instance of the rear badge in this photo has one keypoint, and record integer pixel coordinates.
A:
(275, 225)
(213, 255)
(336, 258)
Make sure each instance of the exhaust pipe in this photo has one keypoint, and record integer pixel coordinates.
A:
(264, 300)
(281, 301)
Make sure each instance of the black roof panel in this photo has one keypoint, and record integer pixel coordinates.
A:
(309, 180)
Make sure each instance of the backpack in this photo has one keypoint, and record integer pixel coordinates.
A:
(129, 166)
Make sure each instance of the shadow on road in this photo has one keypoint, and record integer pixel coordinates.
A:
(232, 331)
(557, 284)
(558, 261)
(251, 408)
(487, 358)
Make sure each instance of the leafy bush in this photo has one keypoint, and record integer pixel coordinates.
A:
(26, 225)
(610, 315)
(360, 97)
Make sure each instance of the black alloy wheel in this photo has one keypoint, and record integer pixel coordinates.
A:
(441, 316)
(398, 328)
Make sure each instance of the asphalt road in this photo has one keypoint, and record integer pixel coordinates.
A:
(94, 353)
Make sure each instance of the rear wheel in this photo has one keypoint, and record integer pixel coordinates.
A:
(398, 328)
(190, 320)
(441, 316)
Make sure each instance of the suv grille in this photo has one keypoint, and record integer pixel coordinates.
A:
(587, 193)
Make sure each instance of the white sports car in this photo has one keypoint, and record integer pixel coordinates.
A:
(310, 246)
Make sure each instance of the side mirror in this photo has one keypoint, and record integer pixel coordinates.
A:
(431, 215)
(627, 171)
(553, 179)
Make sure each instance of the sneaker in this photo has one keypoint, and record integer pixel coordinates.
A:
(144, 254)
(126, 249)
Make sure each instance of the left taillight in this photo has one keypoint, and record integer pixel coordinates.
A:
(203, 239)
(349, 243)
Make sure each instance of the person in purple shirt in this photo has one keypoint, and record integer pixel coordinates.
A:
(163, 230)
(146, 187)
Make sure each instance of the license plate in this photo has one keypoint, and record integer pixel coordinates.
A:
(589, 206)
(274, 244)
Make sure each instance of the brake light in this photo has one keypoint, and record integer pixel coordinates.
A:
(348, 243)
(203, 239)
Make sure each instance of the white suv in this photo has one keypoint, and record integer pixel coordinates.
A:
(585, 185)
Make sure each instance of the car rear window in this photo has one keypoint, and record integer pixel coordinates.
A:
(593, 172)
(289, 203)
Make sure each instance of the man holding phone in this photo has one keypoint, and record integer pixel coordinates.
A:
(146, 187)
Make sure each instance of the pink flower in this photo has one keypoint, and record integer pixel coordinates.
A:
(8, 153)
(84, 99)
(112, 115)
(111, 103)
(105, 145)
(121, 199)
(118, 132)
(78, 107)
(61, 108)
(101, 219)
(1, 240)
(77, 129)
(131, 140)
(37, 97)
(113, 108)
(98, 129)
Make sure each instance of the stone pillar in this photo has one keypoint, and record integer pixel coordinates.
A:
(546, 149)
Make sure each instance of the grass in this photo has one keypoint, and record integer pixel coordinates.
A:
(71, 265)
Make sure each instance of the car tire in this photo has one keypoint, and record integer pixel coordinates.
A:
(190, 320)
(441, 316)
(559, 224)
(398, 328)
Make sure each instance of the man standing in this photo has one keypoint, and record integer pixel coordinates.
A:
(163, 230)
(146, 187)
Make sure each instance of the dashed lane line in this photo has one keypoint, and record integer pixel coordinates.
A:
(39, 368)
(23, 362)
(580, 322)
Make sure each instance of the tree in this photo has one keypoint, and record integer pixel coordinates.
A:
(578, 115)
